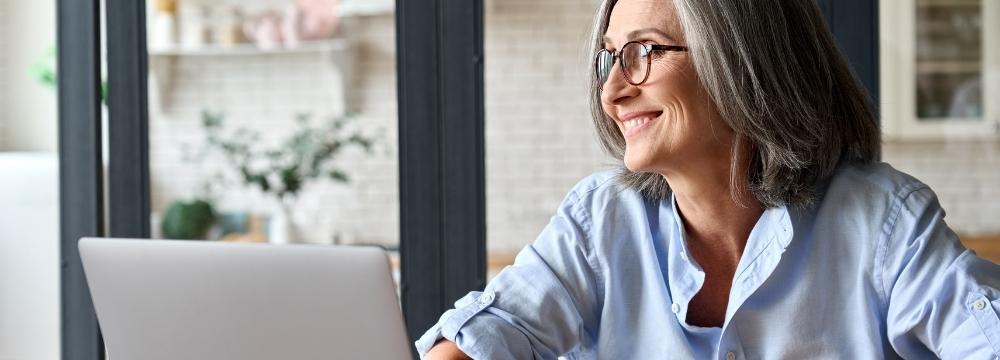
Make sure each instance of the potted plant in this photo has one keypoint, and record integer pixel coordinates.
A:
(188, 220)
(307, 155)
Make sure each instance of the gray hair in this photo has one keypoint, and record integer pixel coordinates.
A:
(777, 78)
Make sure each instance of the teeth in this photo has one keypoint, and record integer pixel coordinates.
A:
(636, 122)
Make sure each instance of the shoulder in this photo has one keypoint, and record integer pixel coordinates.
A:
(872, 201)
(594, 183)
(611, 214)
(599, 191)
(874, 186)
(893, 208)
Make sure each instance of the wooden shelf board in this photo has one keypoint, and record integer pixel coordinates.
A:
(250, 49)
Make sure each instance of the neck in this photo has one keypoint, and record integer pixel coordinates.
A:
(707, 208)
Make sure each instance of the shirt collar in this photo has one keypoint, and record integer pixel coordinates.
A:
(769, 238)
(776, 221)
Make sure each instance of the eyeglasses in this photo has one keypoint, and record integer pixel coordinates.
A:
(635, 61)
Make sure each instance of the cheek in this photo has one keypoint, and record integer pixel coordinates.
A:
(611, 120)
(677, 78)
(606, 109)
(668, 65)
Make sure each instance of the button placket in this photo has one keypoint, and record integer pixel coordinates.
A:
(730, 342)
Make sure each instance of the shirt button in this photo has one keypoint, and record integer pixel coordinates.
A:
(676, 308)
(485, 299)
(730, 356)
(979, 304)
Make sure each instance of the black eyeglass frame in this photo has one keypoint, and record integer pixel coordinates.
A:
(617, 55)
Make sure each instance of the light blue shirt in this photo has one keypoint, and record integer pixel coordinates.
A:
(871, 272)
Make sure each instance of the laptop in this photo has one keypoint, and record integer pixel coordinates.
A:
(169, 299)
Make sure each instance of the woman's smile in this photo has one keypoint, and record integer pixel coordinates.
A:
(636, 123)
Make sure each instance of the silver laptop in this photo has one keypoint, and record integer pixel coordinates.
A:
(164, 299)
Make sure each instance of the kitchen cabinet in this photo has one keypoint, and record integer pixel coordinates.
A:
(940, 69)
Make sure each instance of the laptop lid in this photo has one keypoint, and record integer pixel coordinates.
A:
(168, 299)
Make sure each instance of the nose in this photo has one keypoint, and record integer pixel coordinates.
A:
(616, 89)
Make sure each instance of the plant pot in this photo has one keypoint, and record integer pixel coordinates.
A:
(281, 228)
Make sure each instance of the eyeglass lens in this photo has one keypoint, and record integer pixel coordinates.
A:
(634, 62)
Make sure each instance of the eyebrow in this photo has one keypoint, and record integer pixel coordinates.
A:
(636, 33)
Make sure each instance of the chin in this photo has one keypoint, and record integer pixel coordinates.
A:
(636, 163)
(643, 159)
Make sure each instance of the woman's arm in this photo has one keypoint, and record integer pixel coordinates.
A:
(546, 304)
(446, 350)
(942, 300)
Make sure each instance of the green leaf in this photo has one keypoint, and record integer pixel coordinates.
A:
(293, 182)
(211, 120)
(339, 176)
(306, 154)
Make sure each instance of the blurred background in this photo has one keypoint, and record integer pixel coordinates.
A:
(940, 82)
(276, 121)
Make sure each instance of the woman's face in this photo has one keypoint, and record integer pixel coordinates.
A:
(668, 122)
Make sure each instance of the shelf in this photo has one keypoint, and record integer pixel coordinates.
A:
(335, 52)
(951, 120)
(249, 49)
(349, 8)
(950, 2)
(948, 67)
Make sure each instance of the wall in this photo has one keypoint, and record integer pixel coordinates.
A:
(29, 256)
(3, 73)
(964, 174)
(27, 109)
(29, 235)
(539, 137)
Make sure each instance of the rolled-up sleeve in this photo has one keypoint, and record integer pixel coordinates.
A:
(546, 304)
(942, 300)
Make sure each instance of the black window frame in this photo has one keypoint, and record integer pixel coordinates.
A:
(855, 25)
(441, 155)
(81, 204)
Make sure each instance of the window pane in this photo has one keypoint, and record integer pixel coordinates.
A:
(949, 60)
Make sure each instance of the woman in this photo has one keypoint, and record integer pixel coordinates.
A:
(753, 220)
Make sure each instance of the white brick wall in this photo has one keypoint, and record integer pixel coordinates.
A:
(3, 74)
(539, 140)
(964, 174)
